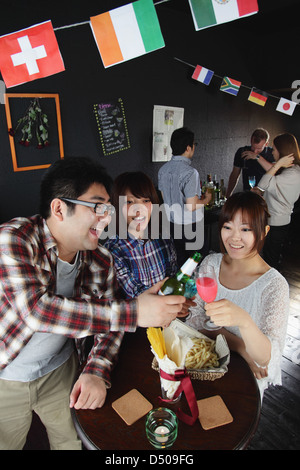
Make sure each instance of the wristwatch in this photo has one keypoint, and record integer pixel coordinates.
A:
(257, 157)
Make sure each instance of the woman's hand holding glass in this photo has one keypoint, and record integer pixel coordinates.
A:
(225, 313)
(207, 287)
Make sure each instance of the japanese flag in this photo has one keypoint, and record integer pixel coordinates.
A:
(29, 54)
(286, 106)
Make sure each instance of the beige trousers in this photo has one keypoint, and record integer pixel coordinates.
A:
(48, 396)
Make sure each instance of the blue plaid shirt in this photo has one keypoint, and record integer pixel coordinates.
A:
(141, 263)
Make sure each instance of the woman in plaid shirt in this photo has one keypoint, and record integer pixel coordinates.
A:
(140, 260)
(58, 286)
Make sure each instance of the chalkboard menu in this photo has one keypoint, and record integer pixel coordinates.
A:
(112, 126)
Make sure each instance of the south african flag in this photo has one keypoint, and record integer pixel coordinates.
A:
(230, 86)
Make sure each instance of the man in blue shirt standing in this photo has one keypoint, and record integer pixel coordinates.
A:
(179, 184)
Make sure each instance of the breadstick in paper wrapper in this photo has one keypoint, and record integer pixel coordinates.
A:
(174, 359)
(157, 341)
(177, 348)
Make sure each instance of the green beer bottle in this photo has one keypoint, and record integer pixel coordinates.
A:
(176, 285)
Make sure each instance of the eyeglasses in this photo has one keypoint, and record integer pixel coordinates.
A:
(99, 207)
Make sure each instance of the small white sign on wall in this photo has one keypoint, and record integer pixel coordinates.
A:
(165, 120)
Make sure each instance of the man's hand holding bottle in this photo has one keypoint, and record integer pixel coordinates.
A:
(160, 310)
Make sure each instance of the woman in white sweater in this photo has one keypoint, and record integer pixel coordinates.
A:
(252, 303)
(281, 189)
(280, 186)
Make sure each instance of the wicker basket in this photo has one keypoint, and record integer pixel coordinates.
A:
(222, 351)
(197, 374)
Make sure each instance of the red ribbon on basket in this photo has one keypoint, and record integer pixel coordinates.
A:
(186, 387)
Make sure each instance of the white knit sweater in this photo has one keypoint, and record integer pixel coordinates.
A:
(267, 302)
(281, 193)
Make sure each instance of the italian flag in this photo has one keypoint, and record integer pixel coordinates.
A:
(127, 32)
(208, 13)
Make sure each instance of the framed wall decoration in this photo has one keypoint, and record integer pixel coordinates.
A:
(112, 126)
(34, 129)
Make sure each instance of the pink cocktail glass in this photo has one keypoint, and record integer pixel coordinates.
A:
(207, 288)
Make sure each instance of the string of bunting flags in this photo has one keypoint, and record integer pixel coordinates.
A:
(232, 86)
(121, 34)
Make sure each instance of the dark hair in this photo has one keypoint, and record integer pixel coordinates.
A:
(286, 144)
(138, 183)
(180, 139)
(260, 134)
(70, 177)
(257, 214)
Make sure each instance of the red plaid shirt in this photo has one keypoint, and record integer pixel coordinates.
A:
(28, 256)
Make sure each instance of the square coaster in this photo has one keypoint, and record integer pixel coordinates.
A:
(213, 412)
(132, 406)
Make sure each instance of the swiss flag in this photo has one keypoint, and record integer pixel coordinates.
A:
(29, 54)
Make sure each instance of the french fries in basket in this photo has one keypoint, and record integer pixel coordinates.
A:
(202, 355)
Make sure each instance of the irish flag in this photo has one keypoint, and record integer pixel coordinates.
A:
(208, 13)
(127, 32)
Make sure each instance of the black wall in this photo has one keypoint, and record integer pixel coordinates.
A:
(259, 51)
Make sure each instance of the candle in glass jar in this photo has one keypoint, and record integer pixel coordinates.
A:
(161, 430)
(161, 427)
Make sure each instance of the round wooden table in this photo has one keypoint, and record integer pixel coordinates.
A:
(103, 429)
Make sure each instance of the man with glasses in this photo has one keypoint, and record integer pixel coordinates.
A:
(58, 285)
